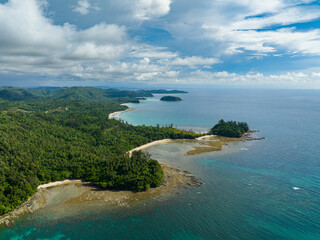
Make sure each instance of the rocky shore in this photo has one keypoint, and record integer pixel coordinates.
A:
(80, 194)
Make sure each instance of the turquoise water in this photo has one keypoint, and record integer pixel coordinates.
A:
(266, 189)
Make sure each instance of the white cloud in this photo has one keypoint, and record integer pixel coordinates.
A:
(290, 79)
(147, 9)
(84, 7)
(195, 61)
(259, 26)
(31, 43)
(153, 52)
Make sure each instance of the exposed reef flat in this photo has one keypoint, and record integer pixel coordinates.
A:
(213, 143)
(76, 194)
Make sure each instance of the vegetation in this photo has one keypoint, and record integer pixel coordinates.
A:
(73, 93)
(76, 93)
(230, 129)
(51, 140)
(170, 99)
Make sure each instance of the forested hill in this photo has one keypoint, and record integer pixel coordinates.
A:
(75, 93)
(44, 141)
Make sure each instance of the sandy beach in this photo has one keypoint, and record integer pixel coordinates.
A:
(167, 141)
(54, 184)
(115, 114)
(149, 145)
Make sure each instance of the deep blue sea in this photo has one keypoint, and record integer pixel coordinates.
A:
(267, 189)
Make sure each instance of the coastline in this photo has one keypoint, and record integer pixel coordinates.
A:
(174, 179)
(150, 144)
(114, 115)
(168, 140)
(58, 183)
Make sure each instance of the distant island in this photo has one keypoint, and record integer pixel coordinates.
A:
(170, 99)
(163, 91)
(230, 129)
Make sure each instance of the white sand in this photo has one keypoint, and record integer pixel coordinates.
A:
(164, 141)
(53, 184)
(149, 145)
(205, 137)
(115, 114)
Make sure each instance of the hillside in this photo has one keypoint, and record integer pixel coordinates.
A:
(76, 93)
(17, 94)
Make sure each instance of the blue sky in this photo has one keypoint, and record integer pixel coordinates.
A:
(237, 43)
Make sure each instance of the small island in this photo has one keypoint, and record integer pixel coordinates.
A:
(170, 99)
(231, 129)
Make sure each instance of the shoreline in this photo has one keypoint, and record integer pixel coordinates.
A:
(170, 183)
(151, 144)
(115, 114)
(168, 140)
(58, 183)
(38, 200)
(174, 179)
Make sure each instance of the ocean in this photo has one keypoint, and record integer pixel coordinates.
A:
(268, 189)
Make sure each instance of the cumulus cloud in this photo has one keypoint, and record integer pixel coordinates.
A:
(252, 33)
(31, 42)
(147, 9)
(255, 26)
(84, 7)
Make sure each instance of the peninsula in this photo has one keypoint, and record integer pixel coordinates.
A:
(54, 134)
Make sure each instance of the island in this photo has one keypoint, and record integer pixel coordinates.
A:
(230, 129)
(163, 91)
(170, 99)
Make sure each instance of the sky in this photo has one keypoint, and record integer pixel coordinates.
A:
(229, 43)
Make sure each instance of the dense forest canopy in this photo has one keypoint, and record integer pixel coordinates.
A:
(59, 138)
(230, 129)
(76, 93)
(170, 99)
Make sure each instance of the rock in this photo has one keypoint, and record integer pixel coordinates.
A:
(7, 223)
